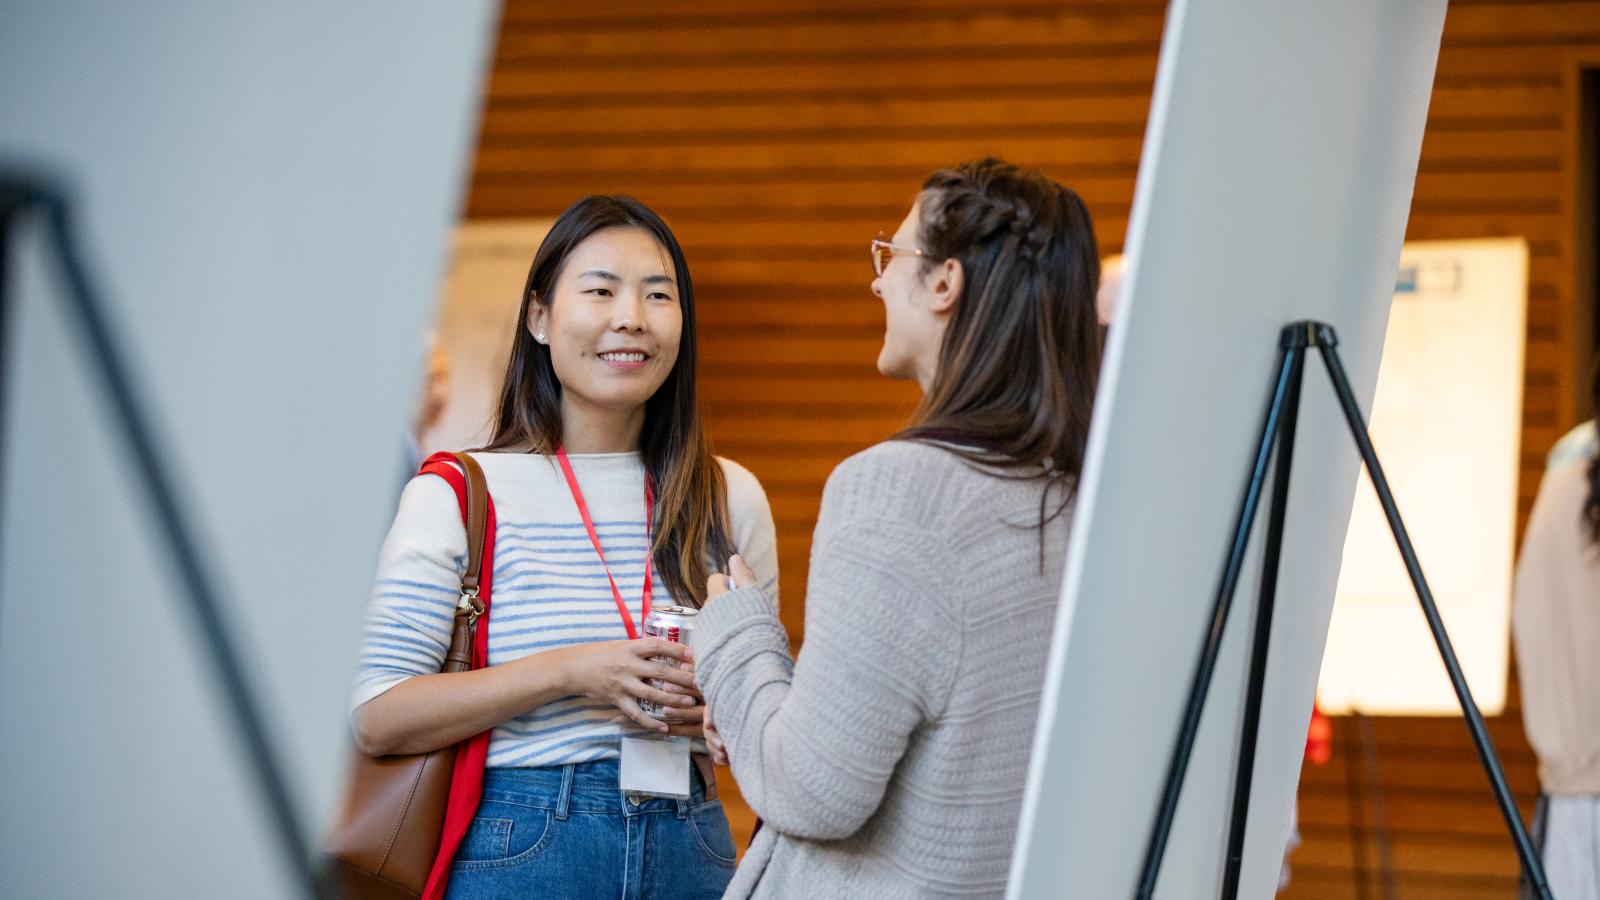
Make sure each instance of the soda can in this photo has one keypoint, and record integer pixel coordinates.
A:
(669, 623)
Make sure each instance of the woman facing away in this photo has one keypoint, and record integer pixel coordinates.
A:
(889, 759)
(598, 412)
(1555, 620)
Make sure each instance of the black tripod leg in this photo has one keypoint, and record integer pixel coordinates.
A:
(15, 197)
(1184, 745)
(1250, 728)
(200, 590)
(1380, 819)
(1355, 790)
(1480, 734)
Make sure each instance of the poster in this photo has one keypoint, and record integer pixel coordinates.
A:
(1447, 424)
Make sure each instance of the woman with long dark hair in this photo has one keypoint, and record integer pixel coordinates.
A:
(1556, 625)
(888, 760)
(608, 502)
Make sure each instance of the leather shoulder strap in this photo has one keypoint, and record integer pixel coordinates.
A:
(477, 518)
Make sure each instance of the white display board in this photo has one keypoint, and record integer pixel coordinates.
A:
(1277, 173)
(265, 192)
(1447, 423)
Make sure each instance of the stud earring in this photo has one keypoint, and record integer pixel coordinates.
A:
(539, 337)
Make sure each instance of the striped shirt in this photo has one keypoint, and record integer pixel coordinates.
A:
(549, 588)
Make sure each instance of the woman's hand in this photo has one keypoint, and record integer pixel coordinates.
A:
(741, 577)
(719, 750)
(686, 721)
(615, 671)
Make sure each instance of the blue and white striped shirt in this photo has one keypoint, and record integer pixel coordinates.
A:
(549, 586)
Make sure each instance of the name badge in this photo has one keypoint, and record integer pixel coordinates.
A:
(658, 766)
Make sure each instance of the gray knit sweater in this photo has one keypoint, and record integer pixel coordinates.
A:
(889, 759)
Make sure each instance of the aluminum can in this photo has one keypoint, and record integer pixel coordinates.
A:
(669, 623)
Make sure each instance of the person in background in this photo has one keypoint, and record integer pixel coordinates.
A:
(431, 402)
(1555, 624)
(888, 760)
(1582, 442)
(598, 469)
(1112, 268)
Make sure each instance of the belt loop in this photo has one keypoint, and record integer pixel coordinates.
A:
(683, 809)
(564, 798)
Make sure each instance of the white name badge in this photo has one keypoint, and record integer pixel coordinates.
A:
(658, 766)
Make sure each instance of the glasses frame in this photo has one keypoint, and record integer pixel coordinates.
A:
(881, 243)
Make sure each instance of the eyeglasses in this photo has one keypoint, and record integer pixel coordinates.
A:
(883, 251)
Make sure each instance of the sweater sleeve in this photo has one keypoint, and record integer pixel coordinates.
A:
(814, 742)
(412, 608)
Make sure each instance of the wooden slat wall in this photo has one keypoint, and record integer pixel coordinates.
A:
(779, 137)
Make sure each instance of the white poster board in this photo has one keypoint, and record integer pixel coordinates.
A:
(1447, 424)
(1274, 186)
(264, 193)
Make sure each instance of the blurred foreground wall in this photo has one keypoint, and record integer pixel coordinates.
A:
(265, 194)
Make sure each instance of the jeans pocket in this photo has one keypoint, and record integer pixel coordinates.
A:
(710, 826)
(486, 839)
(503, 834)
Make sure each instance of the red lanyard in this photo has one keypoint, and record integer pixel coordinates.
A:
(588, 525)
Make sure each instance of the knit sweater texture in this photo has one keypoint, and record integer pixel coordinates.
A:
(889, 759)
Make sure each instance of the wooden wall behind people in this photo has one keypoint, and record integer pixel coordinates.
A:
(779, 137)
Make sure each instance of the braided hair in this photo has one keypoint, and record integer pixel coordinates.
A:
(1017, 369)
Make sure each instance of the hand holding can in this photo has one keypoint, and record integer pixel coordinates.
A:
(669, 623)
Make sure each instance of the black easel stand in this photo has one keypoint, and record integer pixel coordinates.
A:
(1279, 430)
(22, 194)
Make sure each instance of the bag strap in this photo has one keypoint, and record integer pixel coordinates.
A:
(477, 515)
(477, 519)
(469, 648)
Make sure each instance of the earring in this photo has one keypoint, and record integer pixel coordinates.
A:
(539, 337)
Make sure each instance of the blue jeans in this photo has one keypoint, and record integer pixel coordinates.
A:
(570, 832)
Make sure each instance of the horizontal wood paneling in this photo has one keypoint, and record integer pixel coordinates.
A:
(778, 137)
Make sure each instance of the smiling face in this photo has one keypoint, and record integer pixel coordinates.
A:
(613, 322)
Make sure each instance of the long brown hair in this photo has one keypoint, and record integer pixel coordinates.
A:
(691, 514)
(1017, 369)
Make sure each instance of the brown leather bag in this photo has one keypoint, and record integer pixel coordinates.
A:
(385, 840)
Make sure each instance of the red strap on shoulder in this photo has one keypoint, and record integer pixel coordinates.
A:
(466, 781)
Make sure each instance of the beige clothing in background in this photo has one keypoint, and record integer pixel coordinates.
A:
(1556, 625)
